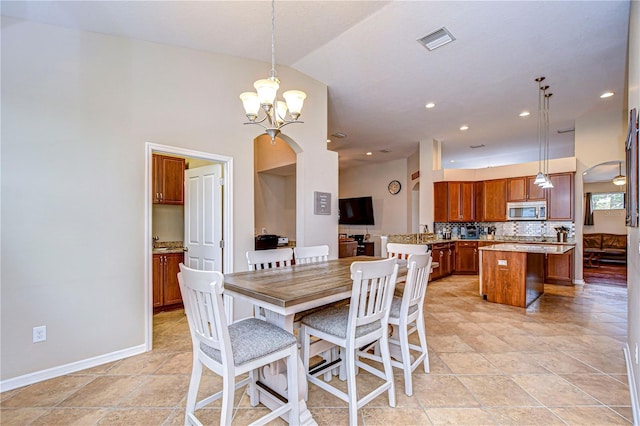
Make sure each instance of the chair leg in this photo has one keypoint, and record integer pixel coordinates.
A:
(406, 358)
(254, 397)
(305, 341)
(194, 384)
(292, 387)
(228, 391)
(388, 369)
(350, 367)
(423, 341)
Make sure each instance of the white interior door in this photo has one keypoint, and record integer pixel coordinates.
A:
(203, 218)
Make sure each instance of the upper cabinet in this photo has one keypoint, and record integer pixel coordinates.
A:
(523, 189)
(168, 179)
(453, 202)
(493, 206)
(560, 198)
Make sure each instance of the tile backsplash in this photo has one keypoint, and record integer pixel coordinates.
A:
(510, 229)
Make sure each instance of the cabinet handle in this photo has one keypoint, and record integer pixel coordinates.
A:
(161, 196)
(441, 253)
(449, 251)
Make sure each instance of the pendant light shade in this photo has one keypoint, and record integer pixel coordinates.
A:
(620, 179)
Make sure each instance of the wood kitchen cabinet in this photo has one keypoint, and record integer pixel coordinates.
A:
(559, 268)
(524, 189)
(166, 290)
(440, 202)
(444, 254)
(466, 258)
(461, 201)
(453, 202)
(492, 200)
(560, 198)
(168, 179)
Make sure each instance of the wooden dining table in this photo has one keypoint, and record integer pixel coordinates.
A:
(283, 293)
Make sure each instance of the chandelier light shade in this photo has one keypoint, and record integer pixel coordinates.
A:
(265, 98)
(620, 179)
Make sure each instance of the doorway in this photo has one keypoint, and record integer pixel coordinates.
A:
(196, 157)
(604, 230)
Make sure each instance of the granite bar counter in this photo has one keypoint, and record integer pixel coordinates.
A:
(514, 274)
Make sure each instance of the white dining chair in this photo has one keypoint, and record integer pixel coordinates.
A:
(232, 350)
(267, 259)
(311, 254)
(361, 323)
(402, 251)
(407, 316)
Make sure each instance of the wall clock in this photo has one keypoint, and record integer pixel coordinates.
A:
(394, 187)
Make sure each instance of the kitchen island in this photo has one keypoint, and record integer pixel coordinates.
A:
(513, 274)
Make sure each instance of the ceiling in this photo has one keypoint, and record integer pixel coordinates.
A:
(380, 78)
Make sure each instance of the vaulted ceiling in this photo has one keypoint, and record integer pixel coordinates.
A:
(380, 78)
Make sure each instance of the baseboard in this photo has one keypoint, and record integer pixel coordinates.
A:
(578, 282)
(633, 391)
(50, 373)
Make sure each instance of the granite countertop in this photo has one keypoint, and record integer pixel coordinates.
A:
(164, 247)
(530, 248)
(431, 239)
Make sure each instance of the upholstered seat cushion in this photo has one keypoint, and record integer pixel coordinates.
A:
(395, 308)
(333, 321)
(252, 338)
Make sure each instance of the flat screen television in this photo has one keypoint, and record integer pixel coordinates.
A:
(356, 211)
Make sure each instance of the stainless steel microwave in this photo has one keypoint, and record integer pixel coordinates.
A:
(527, 210)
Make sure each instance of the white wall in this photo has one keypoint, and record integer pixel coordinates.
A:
(390, 211)
(77, 111)
(633, 235)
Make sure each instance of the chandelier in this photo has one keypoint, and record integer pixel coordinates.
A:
(275, 111)
(620, 179)
(542, 178)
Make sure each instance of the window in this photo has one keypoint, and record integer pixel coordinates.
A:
(607, 201)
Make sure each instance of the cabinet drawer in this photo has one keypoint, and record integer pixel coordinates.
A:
(467, 243)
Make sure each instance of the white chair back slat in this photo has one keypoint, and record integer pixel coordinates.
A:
(373, 286)
(202, 298)
(268, 259)
(311, 254)
(419, 267)
(402, 251)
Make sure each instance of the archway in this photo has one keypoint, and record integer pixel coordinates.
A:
(605, 224)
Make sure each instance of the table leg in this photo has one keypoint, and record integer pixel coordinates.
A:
(274, 377)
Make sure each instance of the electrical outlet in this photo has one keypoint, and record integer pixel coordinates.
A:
(39, 334)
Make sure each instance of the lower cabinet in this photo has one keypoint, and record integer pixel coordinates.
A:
(166, 290)
(444, 254)
(466, 257)
(559, 268)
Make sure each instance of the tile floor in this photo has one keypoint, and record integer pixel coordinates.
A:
(558, 362)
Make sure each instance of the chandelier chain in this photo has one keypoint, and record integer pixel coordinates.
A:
(273, 40)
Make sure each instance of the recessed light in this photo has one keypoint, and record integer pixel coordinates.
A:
(369, 153)
(465, 127)
(430, 105)
(524, 113)
(606, 95)
(452, 161)
(328, 140)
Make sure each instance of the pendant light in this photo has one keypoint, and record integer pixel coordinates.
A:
(620, 179)
(542, 178)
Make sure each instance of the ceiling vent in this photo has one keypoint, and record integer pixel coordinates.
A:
(476, 146)
(339, 135)
(436, 39)
(385, 151)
